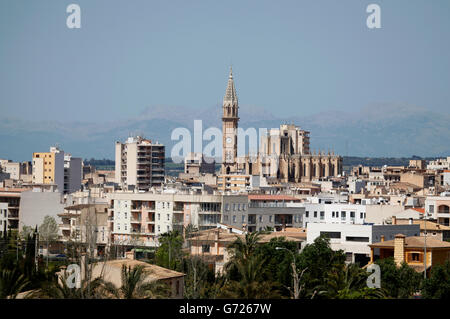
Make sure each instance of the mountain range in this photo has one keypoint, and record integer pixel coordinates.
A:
(391, 130)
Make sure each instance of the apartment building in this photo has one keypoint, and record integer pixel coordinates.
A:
(86, 223)
(439, 164)
(438, 208)
(57, 168)
(234, 182)
(334, 213)
(197, 164)
(48, 168)
(354, 240)
(73, 172)
(142, 217)
(274, 211)
(139, 164)
(9, 206)
(17, 171)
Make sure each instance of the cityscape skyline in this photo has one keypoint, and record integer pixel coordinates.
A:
(71, 86)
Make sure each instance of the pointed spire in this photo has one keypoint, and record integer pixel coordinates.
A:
(230, 94)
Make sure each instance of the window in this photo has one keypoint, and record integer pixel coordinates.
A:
(361, 215)
(431, 209)
(331, 234)
(239, 206)
(357, 239)
(244, 206)
(125, 215)
(159, 228)
(168, 217)
(243, 218)
(343, 215)
(227, 206)
(352, 214)
(234, 218)
(260, 218)
(332, 214)
(315, 214)
(306, 214)
(270, 218)
(125, 227)
(225, 218)
(322, 215)
(159, 216)
(206, 248)
(234, 206)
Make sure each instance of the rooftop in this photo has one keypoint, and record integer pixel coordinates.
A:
(414, 242)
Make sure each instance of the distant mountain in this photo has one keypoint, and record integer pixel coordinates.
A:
(381, 130)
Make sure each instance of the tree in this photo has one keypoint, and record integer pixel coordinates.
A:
(169, 253)
(11, 283)
(319, 259)
(48, 231)
(251, 284)
(136, 286)
(197, 277)
(437, 286)
(348, 282)
(398, 282)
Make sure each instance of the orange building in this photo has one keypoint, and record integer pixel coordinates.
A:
(412, 251)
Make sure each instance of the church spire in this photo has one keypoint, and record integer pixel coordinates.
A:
(230, 94)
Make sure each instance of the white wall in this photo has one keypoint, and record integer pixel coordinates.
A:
(328, 209)
(314, 230)
(34, 206)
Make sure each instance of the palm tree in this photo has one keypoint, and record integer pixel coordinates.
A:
(251, 285)
(136, 286)
(11, 283)
(60, 290)
(348, 282)
(243, 249)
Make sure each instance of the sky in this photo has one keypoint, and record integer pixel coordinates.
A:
(289, 57)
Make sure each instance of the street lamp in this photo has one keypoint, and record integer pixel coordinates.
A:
(294, 272)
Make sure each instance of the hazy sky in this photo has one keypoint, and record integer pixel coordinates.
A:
(290, 57)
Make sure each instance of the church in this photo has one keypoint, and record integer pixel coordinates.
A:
(284, 154)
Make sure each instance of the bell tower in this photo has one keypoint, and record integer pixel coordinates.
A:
(230, 121)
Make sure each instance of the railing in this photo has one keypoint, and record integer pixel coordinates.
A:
(263, 205)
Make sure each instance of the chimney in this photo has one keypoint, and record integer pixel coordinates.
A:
(382, 238)
(399, 249)
(230, 230)
(394, 220)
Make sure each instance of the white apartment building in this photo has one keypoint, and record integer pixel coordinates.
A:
(334, 213)
(16, 170)
(438, 208)
(139, 163)
(140, 218)
(439, 164)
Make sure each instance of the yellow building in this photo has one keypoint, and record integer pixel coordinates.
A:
(48, 168)
(412, 251)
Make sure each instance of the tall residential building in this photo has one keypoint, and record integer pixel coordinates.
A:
(48, 168)
(73, 172)
(57, 168)
(139, 163)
